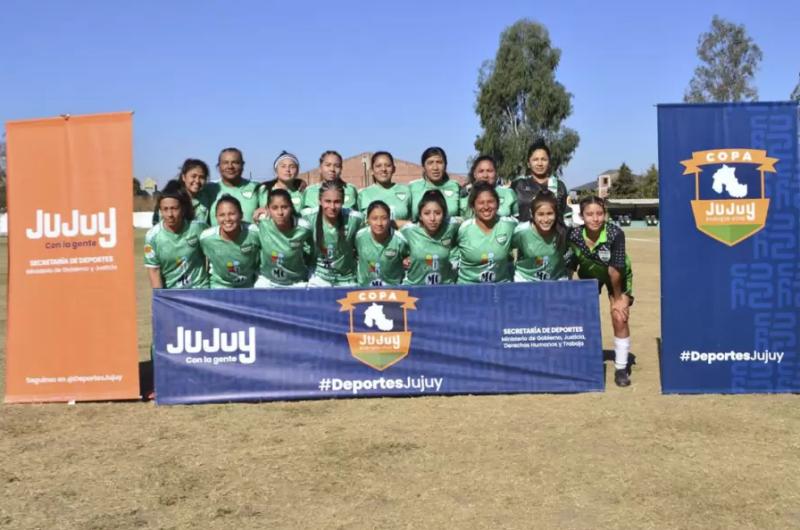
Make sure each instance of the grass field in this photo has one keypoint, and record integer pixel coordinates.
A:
(627, 458)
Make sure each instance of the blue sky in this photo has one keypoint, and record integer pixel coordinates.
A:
(360, 76)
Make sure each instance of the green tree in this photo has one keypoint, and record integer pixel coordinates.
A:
(648, 187)
(796, 94)
(624, 186)
(729, 59)
(520, 101)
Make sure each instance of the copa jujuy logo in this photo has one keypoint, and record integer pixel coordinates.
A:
(730, 203)
(379, 336)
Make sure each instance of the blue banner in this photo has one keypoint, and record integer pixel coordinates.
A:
(277, 344)
(730, 247)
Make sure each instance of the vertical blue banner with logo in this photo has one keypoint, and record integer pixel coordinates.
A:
(730, 247)
(252, 344)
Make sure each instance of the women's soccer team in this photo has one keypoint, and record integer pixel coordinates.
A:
(236, 233)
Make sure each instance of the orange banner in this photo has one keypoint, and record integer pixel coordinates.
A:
(71, 292)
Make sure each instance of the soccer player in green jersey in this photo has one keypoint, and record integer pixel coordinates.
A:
(330, 170)
(232, 247)
(435, 177)
(598, 251)
(231, 167)
(484, 169)
(193, 178)
(397, 196)
(484, 242)
(334, 229)
(286, 168)
(541, 243)
(432, 243)
(172, 251)
(381, 249)
(283, 237)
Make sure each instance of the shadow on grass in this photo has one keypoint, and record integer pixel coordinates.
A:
(146, 380)
(608, 355)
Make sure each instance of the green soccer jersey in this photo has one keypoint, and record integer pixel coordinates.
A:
(232, 264)
(485, 258)
(335, 262)
(178, 256)
(282, 257)
(311, 198)
(432, 257)
(245, 193)
(449, 188)
(380, 263)
(506, 208)
(537, 259)
(398, 197)
(297, 198)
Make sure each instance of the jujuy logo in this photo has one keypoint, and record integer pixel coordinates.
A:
(188, 341)
(734, 206)
(50, 226)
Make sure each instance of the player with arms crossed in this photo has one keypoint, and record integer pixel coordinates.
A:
(334, 229)
(231, 247)
(484, 242)
(541, 243)
(432, 243)
(172, 252)
(283, 237)
(381, 249)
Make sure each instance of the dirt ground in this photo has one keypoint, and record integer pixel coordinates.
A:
(623, 458)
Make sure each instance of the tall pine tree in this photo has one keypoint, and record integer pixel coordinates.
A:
(519, 101)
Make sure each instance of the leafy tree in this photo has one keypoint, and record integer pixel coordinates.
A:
(796, 94)
(648, 187)
(728, 62)
(137, 188)
(624, 186)
(519, 101)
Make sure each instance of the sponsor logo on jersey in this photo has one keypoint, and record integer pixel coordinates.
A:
(390, 341)
(50, 225)
(734, 207)
(242, 342)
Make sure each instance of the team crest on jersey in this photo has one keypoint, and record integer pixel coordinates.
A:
(149, 252)
(401, 196)
(247, 194)
(379, 336)
(447, 242)
(604, 254)
(729, 203)
(501, 238)
(448, 193)
(191, 241)
(246, 249)
(296, 201)
(390, 253)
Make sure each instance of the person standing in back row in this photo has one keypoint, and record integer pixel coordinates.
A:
(231, 167)
(435, 177)
(541, 178)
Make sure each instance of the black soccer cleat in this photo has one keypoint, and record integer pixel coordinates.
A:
(621, 377)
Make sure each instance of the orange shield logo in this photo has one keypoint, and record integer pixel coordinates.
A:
(734, 212)
(379, 335)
